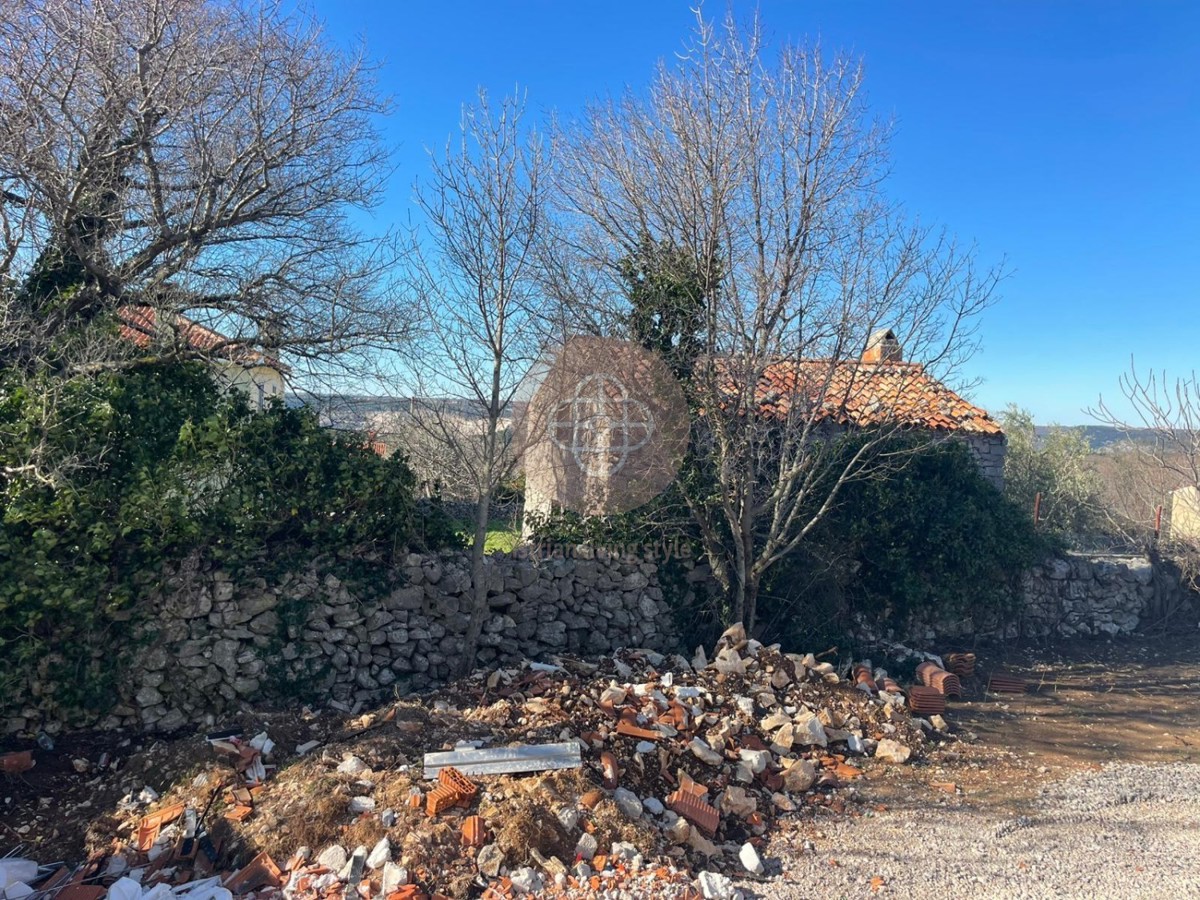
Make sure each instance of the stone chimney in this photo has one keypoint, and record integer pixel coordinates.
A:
(882, 347)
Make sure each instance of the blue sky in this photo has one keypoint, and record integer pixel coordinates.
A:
(1062, 136)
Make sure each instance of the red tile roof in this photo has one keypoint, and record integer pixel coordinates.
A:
(139, 325)
(865, 394)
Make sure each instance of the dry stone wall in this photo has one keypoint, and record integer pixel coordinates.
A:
(1076, 595)
(217, 644)
(1095, 596)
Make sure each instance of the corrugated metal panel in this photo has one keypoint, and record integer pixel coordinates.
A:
(502, 760)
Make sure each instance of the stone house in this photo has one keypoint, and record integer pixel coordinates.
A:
(1185, 515)
(881, 388)
(236, 365)
(877, 389)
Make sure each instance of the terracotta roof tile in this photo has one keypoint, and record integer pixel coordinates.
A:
(139, 325)
(864, 394)
(701, 814)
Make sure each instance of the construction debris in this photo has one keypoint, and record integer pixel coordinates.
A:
(454, 789)
(503, 760)
(1004, 683)
(961, 664)
(934, 676)
(926, 701)
(892, 751)
(17, 762)
(643, 773)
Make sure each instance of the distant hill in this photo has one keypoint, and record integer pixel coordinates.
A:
(1103, 437)
(361, 412)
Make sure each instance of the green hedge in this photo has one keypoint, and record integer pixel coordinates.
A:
(153, 465)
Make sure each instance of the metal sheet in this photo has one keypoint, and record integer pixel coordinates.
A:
(503, 760)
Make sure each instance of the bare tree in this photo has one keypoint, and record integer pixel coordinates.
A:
(766, 174)
(196, 156)
(484, 217)
(1164, 424)
(1160, 454)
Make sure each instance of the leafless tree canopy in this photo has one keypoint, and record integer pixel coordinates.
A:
(1170, 410)
(475, 271)
(1160, 454)
(766, 171)
(199, 156)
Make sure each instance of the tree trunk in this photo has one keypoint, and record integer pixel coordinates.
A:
(479, 588)
(747, 578)
(749, 603)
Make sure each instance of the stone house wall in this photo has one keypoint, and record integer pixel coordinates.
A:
(988, 450)
(1185, 514)
(218, 645)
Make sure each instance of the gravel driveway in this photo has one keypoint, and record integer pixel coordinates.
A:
(1127, 831)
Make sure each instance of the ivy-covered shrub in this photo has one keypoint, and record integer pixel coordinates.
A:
(108, 477)
(926, 536)
(930, 538)
(269, 486)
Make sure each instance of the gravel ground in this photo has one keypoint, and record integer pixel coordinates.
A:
(1127, 831)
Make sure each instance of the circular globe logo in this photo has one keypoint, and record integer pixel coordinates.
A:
(601, 426)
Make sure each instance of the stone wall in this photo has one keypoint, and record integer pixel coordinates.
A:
(988, 451)
(1078, 595)
(217, 644)
(1095, 596)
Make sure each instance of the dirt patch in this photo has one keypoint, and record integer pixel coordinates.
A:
(1094, 703)
(1090, 703)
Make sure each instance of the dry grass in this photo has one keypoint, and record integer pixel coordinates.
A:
(533, 827)
(612, 825)
(302, 813)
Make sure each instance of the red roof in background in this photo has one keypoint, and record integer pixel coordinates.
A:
(139, 324)
(865, 394)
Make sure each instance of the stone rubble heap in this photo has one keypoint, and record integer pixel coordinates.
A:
(686, 766)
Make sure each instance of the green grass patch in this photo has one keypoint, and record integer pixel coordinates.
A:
(502, 537)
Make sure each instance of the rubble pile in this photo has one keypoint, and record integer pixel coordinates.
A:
(642, 772)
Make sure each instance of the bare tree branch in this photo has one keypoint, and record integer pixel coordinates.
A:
(201, 157)
(476, 276)
(1159, 456)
